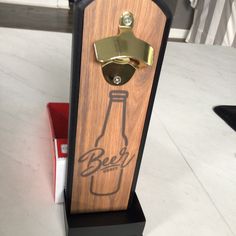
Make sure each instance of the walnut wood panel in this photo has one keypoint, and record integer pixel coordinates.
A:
(110, 123)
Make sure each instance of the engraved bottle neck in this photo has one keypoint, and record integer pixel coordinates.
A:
(115, 119)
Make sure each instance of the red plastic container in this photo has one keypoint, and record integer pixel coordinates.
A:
(58, 120)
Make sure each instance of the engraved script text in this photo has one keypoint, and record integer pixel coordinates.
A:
(97, 161)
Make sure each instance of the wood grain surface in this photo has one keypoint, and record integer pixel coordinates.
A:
(105, 155)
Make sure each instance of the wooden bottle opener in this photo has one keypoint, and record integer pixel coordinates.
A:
(118, 48)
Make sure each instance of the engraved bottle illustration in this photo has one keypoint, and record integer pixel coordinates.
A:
(113, 141)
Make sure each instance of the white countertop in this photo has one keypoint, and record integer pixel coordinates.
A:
(187, 183)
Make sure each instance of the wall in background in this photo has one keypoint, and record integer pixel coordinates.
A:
(40, 3)
(181, 10)
(183, 17)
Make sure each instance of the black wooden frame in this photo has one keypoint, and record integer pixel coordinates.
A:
(75, 82)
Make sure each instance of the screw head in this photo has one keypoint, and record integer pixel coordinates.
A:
(127, 19)
(117, 80)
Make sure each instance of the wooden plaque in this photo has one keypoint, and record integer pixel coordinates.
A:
(108, 124)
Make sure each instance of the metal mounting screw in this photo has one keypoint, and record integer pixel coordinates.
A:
(117, 80)
(127, 19)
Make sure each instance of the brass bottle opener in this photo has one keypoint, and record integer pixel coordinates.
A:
(121, 55)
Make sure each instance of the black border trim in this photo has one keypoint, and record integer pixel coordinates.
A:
(77, 40)
(75, 82)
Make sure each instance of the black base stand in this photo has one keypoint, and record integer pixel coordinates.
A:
(126, 223)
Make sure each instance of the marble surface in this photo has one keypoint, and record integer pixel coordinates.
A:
(187, 183)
